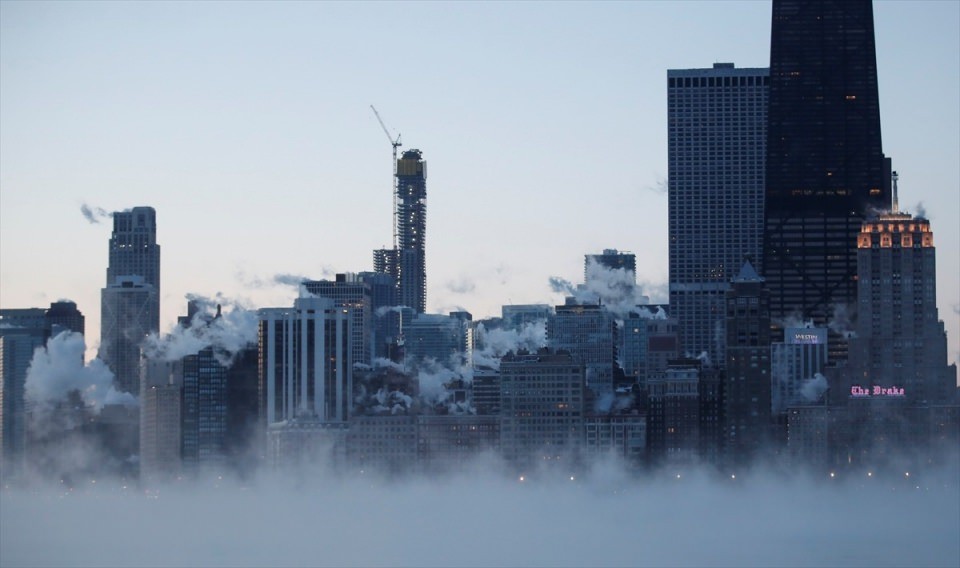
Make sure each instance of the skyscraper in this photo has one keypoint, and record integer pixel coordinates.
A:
(305, 362)
(717, 126)
(411, 230)
(350, 292)
(128, 314)
(825, 167)
(130, 300)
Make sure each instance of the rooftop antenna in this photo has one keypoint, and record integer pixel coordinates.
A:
(396, 144)
(896, 199)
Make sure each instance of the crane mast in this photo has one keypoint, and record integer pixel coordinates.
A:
(394, 189)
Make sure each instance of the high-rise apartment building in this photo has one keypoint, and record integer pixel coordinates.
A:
(411, 230)
(130, 300)
(407, 261)
(825, 169)
(717, 128)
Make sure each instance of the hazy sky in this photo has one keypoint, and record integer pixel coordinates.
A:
(247, 126)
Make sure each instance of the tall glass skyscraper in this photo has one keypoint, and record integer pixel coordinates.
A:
(717, 125)
(825, 168)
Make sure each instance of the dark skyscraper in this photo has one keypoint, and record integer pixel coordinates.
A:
(411, 230)
(825, 168)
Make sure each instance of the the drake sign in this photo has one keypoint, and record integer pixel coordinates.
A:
(856, 391)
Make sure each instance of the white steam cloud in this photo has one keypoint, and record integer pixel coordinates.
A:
(495, 343)
(614, 288)
(58, 369)
(234, 330)
(813, 388)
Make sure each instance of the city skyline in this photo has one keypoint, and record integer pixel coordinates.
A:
(307, 161)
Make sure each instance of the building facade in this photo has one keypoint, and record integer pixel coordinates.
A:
(128, 314)
(305, 362)
(900, 342)
(541, 408)
(717, 130)
(747, 381)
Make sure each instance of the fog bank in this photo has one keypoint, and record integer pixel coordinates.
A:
(478, 519)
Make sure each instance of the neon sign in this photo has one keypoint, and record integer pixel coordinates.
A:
(857, 391)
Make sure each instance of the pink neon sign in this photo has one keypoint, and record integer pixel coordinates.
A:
(861, 392)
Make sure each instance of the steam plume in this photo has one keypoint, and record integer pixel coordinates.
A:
(58, 369)
(234, 330)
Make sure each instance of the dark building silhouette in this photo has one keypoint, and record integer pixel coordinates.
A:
(746, 388)
(825, 169)
(64, 315)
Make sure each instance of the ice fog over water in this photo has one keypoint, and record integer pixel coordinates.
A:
(605, 518)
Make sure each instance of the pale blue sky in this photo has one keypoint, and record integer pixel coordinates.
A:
(247, 126)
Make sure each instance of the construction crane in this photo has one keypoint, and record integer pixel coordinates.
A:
(396, 144)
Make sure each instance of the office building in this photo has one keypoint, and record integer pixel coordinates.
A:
(541, 408)
(160, 422)
(350, 292)
(746, 389)
(519, 316)
(446, 340)
(305, 362)
(825, 169)
(673, 399)
(450, 442)
(795, 362)
(130, 300)
(128, 314)
(716, 133)
(22, 331)
(589, 333)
